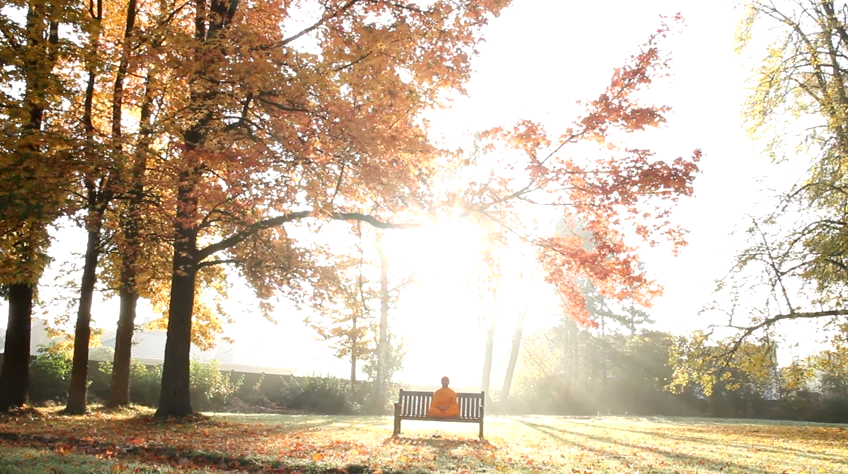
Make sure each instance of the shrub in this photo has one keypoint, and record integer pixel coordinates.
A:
(324, 395)
(834, 410)
(145, 384)
(250, 392)
(99, 380)
(50, 376)
(209, 388)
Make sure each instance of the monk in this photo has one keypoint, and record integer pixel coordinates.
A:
(444, 402)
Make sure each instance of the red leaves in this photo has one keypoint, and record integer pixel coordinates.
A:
(617, 107)
(612, 198)
(526, 135)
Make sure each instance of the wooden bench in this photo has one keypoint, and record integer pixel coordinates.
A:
(414, 405)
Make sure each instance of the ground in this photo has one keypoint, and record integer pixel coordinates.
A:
(133, 441)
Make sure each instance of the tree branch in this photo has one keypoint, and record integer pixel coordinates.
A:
(256, 227)
(770, 321)
(321, 21)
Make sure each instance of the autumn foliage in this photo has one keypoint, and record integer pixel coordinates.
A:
(613, 197)
(287, 444)
(215, 135)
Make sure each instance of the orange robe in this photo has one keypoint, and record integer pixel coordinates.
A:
(444, 397)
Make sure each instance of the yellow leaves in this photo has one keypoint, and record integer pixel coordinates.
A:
(273, 443)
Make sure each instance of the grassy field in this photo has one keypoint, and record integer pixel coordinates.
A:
(134, 442)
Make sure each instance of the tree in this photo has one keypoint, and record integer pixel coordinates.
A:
(621, 196)
(625, 313)
(347, 306)
(259, 139)
(33, 172)
(138, 242)
(832, 365)
(513, 356)
(390, 351)
(610, 202)
(493, 279)
(559, 372)
(347, 323)
(381, 375)
(115, 178)
(723, 366)
(824, 371)
(395, 354)
(314, 135)
(795, 261)
(98, 193)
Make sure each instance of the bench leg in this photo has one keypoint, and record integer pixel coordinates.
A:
(397, 428)
(481, 429)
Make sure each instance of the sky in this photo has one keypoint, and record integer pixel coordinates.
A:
(539, 58)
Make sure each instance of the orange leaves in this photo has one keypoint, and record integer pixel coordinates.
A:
(526, 135)
(617, 106)
(274, 443)
(608, 264)
(614, 198)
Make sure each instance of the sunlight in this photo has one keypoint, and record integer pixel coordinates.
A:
(441, 312)
(448, 250)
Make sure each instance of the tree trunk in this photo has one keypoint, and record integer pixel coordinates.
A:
(94, 223)
(14, 375)
(119, 388)
(604, 352)
(354, 347)
(174, 398)
(352, 371)
(490, 345)
(383, 341)
(82, 332)
(575, 360)
(571, 342)
(513, 357)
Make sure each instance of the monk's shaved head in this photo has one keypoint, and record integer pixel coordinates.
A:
(445, 381)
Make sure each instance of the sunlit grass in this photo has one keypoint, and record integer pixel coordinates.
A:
(261, 443)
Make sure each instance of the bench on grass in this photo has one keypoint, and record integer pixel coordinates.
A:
(414, 405)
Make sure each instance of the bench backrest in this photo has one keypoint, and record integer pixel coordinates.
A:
(413, 403)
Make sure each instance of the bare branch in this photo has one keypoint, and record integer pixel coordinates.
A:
(257, 227)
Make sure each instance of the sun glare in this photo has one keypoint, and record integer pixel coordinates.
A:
(446, 250)
(440, 315)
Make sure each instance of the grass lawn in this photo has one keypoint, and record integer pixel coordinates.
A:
(134, 442)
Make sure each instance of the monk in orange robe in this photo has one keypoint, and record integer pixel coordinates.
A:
(444, 402)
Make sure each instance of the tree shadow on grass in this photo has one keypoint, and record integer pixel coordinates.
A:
(305, 420)
(763, 446)
(562, 435)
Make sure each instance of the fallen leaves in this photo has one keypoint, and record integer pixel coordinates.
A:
(516, 444)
